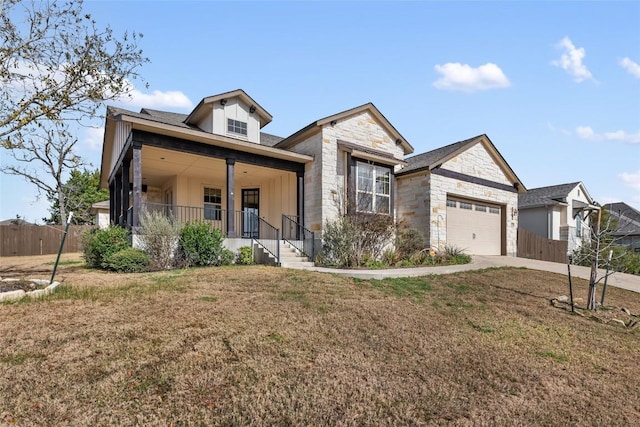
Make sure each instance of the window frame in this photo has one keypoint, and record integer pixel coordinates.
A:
(376, 193)
(237, 127)
(212, 206)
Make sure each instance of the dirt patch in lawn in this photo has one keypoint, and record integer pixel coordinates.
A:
(271, 346)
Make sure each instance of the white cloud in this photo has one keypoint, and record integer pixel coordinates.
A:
(586, 132)
(30, 77)
(631, 179)
(571, 61)
(632, 67)
(463, 77)
(169, 100)
(93, 137)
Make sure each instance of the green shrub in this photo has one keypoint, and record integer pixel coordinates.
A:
(158, 236)
(245, 255)
(201, 244)
(337, 243)
(408, 241)
(99, 244)
(226, 257)
(129, 260)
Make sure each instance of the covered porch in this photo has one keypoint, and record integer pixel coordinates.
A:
(246, 195)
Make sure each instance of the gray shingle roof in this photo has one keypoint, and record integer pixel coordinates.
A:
(628, 218)
(268, 139)
(422, 161)
(177, 119)
(544, 196)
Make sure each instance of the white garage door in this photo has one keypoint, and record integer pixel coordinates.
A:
(474, 226)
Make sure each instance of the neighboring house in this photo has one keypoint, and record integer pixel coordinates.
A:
(15, 221)
(101, 211)
(216, 164)
(463, 195)
(628, 231)
(558, 212)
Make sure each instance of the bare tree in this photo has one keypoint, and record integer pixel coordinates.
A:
(56, 68)
(596, 252)
(43, 160)
(57, 65)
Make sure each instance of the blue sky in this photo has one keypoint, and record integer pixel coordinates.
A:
(555, 85)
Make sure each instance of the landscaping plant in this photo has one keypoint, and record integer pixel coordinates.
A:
(99, 244)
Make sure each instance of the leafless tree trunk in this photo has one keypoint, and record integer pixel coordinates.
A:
(44, 159)
(593, 278)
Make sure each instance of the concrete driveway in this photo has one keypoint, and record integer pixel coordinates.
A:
(619, 280)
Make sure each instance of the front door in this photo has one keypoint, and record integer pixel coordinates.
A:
(250, 213)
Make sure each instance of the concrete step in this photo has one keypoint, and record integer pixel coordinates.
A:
(298, 264)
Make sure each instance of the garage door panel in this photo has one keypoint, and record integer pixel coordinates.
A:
(474, 227)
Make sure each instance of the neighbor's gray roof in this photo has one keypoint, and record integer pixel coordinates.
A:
(628, 218)
(424, 160)
(177, 119)
(545, 196)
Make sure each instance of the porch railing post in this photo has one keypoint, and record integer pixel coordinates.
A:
(278, 246)
(231, 232)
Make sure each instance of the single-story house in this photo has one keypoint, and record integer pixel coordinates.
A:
(558, 212)
(216, 164)
(628, 231)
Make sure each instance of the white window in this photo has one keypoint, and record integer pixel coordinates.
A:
(465, 205)
(481, 208)
(494, 210)
(451, 203)
(213, 204)
(373, 188)
(236, 126)
(578, 226)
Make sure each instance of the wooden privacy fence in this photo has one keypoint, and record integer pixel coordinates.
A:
(21, 240)
(537, 247)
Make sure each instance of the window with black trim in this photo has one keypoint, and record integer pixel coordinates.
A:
(212, 204)
(236, 126)
(373, 188)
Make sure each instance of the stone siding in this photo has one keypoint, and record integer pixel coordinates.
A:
(442, 186)
(476, 161)
(325, 177)
(313, 176)
(412, 202)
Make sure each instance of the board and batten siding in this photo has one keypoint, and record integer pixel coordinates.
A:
(122, 131)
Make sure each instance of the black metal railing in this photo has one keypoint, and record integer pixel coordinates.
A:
(183, 214)
(298, 236)
(268, 236)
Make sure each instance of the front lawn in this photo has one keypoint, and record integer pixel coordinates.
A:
(271, 346)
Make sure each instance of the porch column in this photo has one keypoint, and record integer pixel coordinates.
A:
(137, 185)
(118, 202)
(231, 232)
(300, 204)
(112, 203)
(125, 191)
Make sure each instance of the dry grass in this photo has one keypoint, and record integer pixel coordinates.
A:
(268, 346)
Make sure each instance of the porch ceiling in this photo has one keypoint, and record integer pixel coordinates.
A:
(159, 164)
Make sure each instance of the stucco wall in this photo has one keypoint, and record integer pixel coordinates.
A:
(535, 221)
